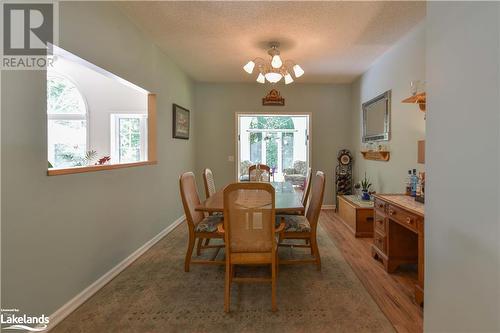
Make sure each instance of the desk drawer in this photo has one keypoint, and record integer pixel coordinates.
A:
(379, 241)
(379, 223)
(404, 218)
(379, 205)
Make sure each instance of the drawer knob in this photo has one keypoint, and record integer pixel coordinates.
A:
(408, 220)
(391, 212)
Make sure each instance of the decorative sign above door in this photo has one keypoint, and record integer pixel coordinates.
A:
(273, 98)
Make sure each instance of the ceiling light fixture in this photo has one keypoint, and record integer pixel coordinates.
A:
(274, 68)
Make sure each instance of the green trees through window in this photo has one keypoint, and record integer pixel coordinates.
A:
(67, 123)
(273, 139)
(278, 140)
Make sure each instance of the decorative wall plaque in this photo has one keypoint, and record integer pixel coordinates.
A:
(273, 98)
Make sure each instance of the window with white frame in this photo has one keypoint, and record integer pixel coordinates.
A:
(67, 117)
(129, 138)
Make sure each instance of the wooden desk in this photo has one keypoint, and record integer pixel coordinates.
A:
(287, 200)
(357, 215)
(399, 235)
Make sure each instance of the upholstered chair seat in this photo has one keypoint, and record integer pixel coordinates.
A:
(208, 224)
(294, 223)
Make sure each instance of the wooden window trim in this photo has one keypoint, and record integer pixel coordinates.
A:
(152, 146)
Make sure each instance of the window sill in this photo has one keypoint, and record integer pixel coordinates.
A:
(68, 171)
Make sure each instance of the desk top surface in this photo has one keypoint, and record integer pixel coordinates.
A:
(357, 201)
(405, 202)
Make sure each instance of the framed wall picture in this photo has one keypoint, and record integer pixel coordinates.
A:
(180, 122)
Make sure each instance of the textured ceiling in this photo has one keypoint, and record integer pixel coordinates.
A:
(333, 41)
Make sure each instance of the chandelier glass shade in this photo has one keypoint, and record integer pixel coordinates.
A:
(298, 71)
(273, 77)
(274, 68)
(276, 61)
(249, 67)
(261, 78)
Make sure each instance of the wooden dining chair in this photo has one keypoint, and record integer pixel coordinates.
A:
(208, 180)
(252, 172)
(249, 226)
(199, 226)
(305, 227)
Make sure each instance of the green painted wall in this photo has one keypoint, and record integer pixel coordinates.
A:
(216, 105)
(394, 70)
(61, 233)
(462, 215)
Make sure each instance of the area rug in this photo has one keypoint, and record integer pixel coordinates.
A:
(154, 294)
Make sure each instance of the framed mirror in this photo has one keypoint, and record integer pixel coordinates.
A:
(377, 118)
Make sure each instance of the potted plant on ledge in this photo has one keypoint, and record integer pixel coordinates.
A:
(365, 188)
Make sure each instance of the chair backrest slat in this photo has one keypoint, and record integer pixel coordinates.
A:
(208, 179)
(317, 192)
(252, 172)
(190, 199)
(307, 187)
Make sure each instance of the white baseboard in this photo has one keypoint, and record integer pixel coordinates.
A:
(79, 299)
(328, 207)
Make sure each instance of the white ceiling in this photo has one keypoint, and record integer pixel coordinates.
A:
(334, 42)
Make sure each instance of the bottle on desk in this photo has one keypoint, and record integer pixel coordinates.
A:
(414, 181)
(408, 183)
(421, 188)
(419, 185)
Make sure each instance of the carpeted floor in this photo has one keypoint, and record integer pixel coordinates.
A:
(154, 294)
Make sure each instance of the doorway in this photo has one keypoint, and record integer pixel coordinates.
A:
(280, 141)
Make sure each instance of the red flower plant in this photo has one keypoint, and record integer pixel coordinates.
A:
(103, 160)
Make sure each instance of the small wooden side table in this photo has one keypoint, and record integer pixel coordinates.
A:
(357, 215)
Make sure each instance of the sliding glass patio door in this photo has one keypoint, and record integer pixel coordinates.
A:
(277, 140)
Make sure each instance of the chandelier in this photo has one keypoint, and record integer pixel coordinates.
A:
(274, 69)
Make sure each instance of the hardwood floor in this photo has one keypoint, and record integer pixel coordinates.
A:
(393, 293)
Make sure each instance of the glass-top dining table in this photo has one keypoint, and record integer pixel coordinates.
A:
(287, 200)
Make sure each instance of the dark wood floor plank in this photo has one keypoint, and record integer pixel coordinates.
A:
(394, 293)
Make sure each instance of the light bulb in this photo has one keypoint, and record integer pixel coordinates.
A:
(288, 78)
(261, 78)
(276, 61)
(249, 67)
(298, 71)
(273, 77)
